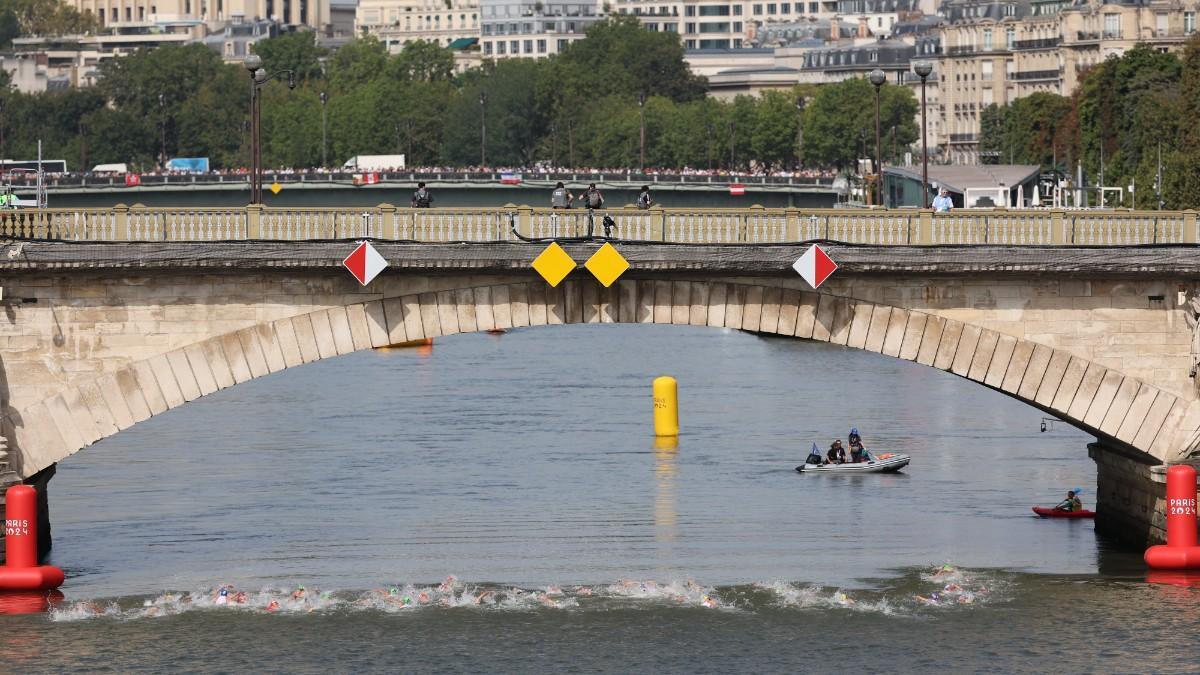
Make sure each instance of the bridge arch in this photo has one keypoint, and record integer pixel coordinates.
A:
(1124, 411)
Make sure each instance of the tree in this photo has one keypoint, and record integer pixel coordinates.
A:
(356, 64)
(297, 52)
(422, 61)
(515, 125)
(841, 116)
(48, 17)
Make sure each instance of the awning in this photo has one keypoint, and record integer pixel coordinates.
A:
(463, 43)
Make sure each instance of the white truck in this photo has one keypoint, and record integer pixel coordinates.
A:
(374, 163)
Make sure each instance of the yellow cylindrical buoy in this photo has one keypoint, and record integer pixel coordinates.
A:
(666, 406)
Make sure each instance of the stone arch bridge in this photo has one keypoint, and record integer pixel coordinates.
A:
(98, 337)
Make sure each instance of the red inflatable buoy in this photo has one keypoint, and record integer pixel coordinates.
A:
(1180, 552)
(21, 571)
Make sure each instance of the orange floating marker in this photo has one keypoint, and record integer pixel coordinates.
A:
(1180, 552)
(21, 571)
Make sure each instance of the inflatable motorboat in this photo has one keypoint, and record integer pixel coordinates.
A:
(888, 462)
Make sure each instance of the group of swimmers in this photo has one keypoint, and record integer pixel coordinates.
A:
(952, 591)
(837, 453)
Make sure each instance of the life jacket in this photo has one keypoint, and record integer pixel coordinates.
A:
(558, 198)
(421, 199)
(644, 201)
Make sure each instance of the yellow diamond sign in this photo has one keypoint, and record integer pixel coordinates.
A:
(276, 187)
(607, 265)
(553, 264)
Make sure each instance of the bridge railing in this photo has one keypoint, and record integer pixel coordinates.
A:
(753, 225)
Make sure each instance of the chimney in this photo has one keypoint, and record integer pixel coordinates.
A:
(864, 27)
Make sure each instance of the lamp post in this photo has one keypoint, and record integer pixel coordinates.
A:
(258, 78)
(877, 78)
(799, 131)
(642, 135)
(732, 143)
(482, 129)
(324, 137)
(923, 69)
(162, 130)
(2, 149)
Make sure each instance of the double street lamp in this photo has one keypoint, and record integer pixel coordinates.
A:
(324, 143)
(923, 69)
(877, 78)
(799, 131)
(258, 78)
(642, 122)
(482, 129)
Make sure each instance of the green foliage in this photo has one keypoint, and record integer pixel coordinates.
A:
(44, 17)
(421, 61)
(1028, 131)
(356, 64)
(839, 123)
(296, 51)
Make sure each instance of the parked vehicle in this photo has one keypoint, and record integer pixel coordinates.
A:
(374, 163)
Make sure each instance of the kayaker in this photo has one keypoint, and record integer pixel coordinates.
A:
(1071, 503)
(836, 454)
(857, 452)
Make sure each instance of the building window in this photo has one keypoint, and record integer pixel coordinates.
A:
(1189, 23)
(737, 10)
(770, 8)
(514, 46)
(500, 47)
(757, 9)
(814, 7)
(689, 10)
(541, 44)
(689, 28)
(1112, 25)
(737, 26)
(785, 8)
(529, 46)
(987, 39)
(1010, 38)
(487, 48)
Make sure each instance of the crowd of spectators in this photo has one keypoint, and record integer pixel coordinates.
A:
(540, 169)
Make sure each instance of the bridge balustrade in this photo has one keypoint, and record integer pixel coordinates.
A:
(754, 225)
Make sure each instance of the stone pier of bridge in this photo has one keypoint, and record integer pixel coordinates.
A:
(97, 337)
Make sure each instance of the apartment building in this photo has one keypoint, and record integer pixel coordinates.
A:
(149, 13)
(523, 29)
(1094, 31)
(397, 22)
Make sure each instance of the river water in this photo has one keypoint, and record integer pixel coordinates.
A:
(523, 466)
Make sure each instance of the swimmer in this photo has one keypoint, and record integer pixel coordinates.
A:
(448, 584)
(952, 588)
(240, 597)
(273, 605)
(943, 570)
(547, 601)
(423, 597)
(223, 596)
(299, 593)
(553, 590)
(845, 600)
(485, 596)
(585, 591)
(707, 601)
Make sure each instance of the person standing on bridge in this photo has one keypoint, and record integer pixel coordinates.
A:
(942, 203)
(421, 199)
(644, 200)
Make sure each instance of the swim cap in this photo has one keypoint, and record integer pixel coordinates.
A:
(224, 592)
(854, 430)
(300, 588)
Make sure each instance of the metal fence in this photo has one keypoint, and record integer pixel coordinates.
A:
(754, 225)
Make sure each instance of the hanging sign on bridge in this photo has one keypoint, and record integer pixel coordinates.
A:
(365, 263)
(815, 266)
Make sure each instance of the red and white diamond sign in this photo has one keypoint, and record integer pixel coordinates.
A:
(365, 263)
(815, 266)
